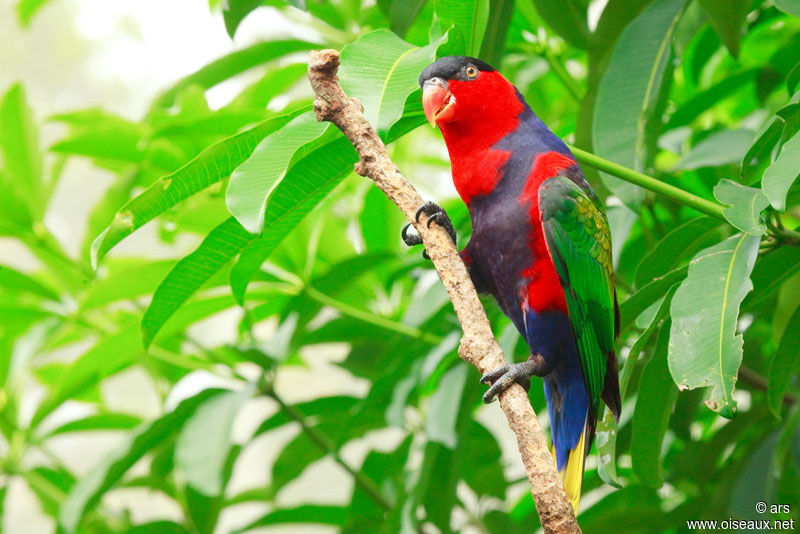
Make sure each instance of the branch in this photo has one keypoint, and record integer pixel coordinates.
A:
(757, 381)
(478, 345)
(324, 443)
(648, 182)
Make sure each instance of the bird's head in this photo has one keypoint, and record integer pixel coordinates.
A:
(464, 91)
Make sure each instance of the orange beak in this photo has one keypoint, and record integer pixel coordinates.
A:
(437, 101)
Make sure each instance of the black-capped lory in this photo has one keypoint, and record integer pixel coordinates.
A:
(540, 245)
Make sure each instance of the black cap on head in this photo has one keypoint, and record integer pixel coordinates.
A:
(452, 68)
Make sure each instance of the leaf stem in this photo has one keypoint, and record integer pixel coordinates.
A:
(324, 443)
(686, 198)
(377, 320)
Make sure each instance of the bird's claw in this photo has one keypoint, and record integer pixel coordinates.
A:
(410, 240)
(436, 214)
(504, 376)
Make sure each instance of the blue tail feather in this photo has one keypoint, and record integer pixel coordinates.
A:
(549, 334)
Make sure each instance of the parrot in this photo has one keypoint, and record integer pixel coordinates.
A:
(540, 245)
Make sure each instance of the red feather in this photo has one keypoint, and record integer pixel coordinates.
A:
(544, 291)
(490, 102)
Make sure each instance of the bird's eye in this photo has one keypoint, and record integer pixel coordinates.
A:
(471, 71)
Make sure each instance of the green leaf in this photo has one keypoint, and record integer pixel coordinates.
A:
(158, 527)
(606, 433)
(701, 101)
(647, 295)
(785, 364)
(719, 148)
(401, 13)
(704, 348)
(606, 443)
(480, 461)
(274, 82)
(755, 481)
(26, 9)
(632, 510)
(386, 471)
(780, 176)
(111, 354)
(125, 283)
(791, 7)
(305, 185)
(771, 272)
(255, 179)
(232, 64)
(443, 408)
(13, 280)
(96, 133)
(567, 19)
(19, 144)
(337, 407)
(303, 514)
(210, 166)
(191, 313)
(382, 71)
(745, 206)
(191, 272)
(629, 90)
(50, 486)
(469, 15)
(494, 40)
(764, 139)
(793, 79)
(15, 217)
(379, 221)
(296, 455)
(697, 54)
(654, 404)
(204, 443)
(439, 499)
(102, 421)
(727, 18)
(235, 11)
(86, 493)
(684, 240)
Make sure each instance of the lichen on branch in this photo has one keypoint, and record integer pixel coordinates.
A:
(478, 345)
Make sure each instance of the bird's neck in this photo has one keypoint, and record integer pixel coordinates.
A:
(498, 144)
(475, 160)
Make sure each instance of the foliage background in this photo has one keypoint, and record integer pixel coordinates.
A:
(304, 377)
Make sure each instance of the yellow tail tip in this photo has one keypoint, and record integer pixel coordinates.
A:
(572, 474)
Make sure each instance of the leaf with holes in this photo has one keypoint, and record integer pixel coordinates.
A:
(704, 348)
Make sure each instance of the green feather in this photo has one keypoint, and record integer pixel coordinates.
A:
(579, 240)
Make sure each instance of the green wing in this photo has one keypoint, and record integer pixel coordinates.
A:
(579, 241)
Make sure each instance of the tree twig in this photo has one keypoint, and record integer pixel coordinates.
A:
(478, 345)
(757, 381)
(323, 442)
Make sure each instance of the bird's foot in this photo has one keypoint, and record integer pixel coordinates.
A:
(436, 214)
(504, 376)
